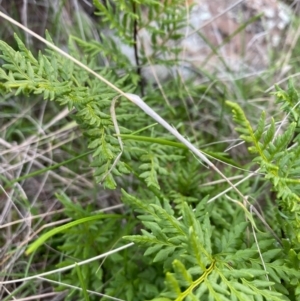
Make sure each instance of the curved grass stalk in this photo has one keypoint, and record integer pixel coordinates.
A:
(62, 228)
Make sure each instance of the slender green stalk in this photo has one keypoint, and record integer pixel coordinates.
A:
(82, 282)
(161, 141)
(32, 247)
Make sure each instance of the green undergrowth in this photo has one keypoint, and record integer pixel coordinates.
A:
(190, 235)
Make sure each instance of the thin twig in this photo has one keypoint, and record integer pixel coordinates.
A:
(136, 51)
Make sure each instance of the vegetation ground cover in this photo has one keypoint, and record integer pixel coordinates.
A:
(100, 202)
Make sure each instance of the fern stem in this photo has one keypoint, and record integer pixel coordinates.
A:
(196, 283)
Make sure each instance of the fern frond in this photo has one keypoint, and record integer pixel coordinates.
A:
(289, 100)
(53, 77)
(277, 161)
(231, 274)
(245, 127)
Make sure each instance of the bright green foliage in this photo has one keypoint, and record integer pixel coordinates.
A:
(196, 270)
(191, 249)
(116, 275)
(88, 96)
(82, 242)
(290, 101)
(54, 77)
(278, 160)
